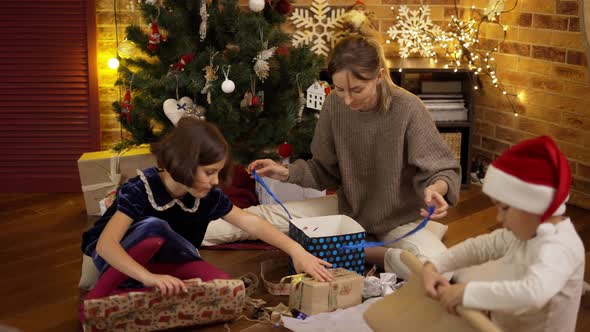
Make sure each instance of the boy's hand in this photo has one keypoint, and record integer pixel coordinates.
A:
(269, 168)
(451, 296)
(306, 262)
(431, 280)
(167, 284)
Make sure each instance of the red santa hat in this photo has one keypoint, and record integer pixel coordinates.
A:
(532, 176)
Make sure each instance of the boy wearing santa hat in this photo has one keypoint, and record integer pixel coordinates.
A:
(530, 273)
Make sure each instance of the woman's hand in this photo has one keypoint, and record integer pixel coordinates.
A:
(167, 284)
(306, 262)
(431, 280)
(269, 168)
(451, 296)
(433, 195)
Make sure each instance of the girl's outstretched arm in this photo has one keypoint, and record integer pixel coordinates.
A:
(303, 260)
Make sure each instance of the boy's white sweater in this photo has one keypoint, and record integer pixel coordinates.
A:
(532, 285)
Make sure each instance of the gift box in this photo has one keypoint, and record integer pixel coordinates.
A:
(313, 297)
(102, 171)
(325, 236)
(208, 302)
(285, 192)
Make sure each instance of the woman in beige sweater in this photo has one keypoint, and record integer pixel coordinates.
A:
(376, 144)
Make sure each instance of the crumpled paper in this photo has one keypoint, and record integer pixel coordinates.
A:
(382, 286)
(341, 320)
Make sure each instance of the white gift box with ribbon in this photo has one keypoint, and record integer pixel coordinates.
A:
(102, 171)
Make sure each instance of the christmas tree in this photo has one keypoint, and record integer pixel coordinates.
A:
(232, 67)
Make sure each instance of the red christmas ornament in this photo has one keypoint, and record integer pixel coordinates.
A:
(284, 7)
(285, 150)
(327, 90)
(184, 60)
(127, 107)
(154, 38)
(255, 100)
(283, 51)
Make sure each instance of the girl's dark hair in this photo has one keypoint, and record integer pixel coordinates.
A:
(363, 57)
(191, 144)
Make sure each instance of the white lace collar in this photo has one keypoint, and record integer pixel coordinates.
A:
(168, 205)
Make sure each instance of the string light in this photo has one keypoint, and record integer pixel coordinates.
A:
(461, 45)
(113, 63)
(460, 42)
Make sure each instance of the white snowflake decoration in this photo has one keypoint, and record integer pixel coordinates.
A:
(320, 30)
(414, 31)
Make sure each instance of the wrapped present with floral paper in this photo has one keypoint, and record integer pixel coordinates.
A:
(313, 297)
(102, 171)
(326, 237)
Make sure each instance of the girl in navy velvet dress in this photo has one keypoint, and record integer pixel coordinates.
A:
(172, 205)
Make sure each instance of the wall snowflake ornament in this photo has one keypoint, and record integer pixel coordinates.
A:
(414, 32)
(320, 31)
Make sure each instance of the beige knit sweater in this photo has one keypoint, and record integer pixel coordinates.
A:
(379, 163)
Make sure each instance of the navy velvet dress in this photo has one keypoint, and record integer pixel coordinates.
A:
(181, 222)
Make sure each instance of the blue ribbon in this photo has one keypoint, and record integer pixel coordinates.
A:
(422, 224)
(181, 107)
(259, 180)
(383, 244)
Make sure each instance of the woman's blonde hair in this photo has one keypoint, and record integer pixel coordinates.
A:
(363, 57)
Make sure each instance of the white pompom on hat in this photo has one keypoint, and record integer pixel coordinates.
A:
(532, 176)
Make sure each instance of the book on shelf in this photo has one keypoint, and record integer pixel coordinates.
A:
(446, 106)
(444, 115)
(427, 96)
(442, 87)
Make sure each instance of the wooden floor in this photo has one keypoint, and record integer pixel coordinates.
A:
(40, 257)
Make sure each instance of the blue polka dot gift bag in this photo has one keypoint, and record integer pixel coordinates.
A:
(326, 237)
(337, 239)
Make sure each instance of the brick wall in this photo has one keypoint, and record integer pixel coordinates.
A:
(543, 62)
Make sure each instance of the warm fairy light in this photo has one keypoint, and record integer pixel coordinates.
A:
(460, 43)
(113, 63)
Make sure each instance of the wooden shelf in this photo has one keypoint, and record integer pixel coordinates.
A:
(453, 124)
(416, 70)
(420, 65)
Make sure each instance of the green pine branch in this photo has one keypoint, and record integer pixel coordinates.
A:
(235, 37)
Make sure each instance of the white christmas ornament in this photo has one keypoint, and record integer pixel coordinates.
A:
(414, 31)
(316, 94)
(127, 49)
(320, 31)
(176, 109)
(256, 5)
(228, 86)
